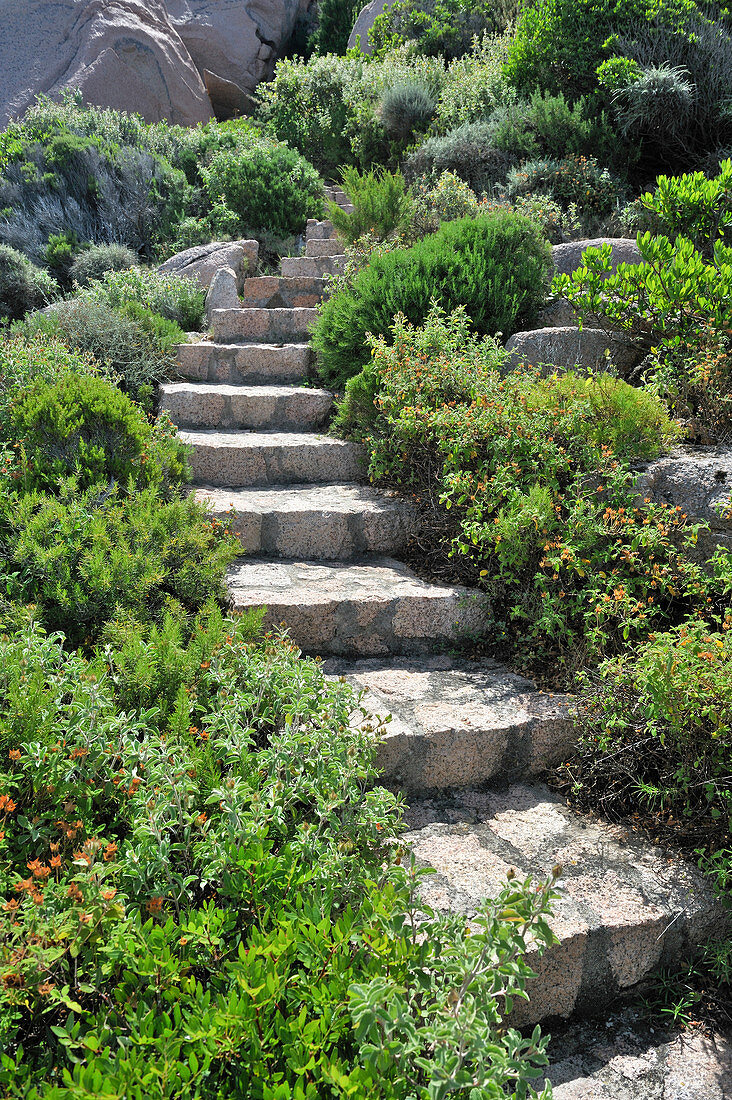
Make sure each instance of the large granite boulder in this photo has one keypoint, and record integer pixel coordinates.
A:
(203, 262)
(118, 53)
(567, 348)
(699, 481)
(568, 257)
(365, 21)
(180, 60)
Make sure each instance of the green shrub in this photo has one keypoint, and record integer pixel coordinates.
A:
(382, 205)
(85, 559)
(436, 27)
(656, 739)
(277, 918)
(60, 252)
(23, 287)
(179, 300)
(24, 361)
(559, 44)
(94, 262)
(135, 346)
(690, 206)
(474, 85)
(574, 181)
(496, 266)
(524, 489)
(335, 21)
(406, 109)
(445, 200)
(264, 186)
(467, 152)
(87, 428)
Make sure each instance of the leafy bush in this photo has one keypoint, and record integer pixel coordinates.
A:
(672, 96)
(264, 186)
(25, 361)
(87, 558)
(60, 252)
(160, 869)
(496, 266)
(436, 27)
(86, 427)
(574, 181)
(335, 21)
(675, 303)
(406, 109)
(467, 152)
(656, 739)
(179, 300)
(690, 206)
(94, 262)
(134, 344)
(382, 205)
(524, 490)
(559, 44)
(445, 200)
(23, 286)
(474, 85)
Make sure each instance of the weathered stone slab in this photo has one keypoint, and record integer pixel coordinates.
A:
(222, 293)
(244, 363)
(314, 522)
(239, 458)
(314, 267)
(203, 261)
(459, 724)
(266, 325)
(567, 348)
(319, 231)
(274, 291)
(626, 907)
(315, 249)
(568, 257)
(698, 480)
(360, 609)
(203, 405)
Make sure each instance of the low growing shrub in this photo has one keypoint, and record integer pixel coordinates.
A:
(496, 266)
(25, 361)
(467, 152)
(656, 740)
(23, 287)
(87, 428)
(223, 857)
(574, 181)
(94, 262)
(406, 110)
(524, 489)
(179, 300)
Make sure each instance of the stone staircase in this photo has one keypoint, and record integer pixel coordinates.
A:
(320, 556)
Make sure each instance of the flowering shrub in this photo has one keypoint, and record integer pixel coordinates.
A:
(176, 299)
(656, 737)
(577, 181)
(201, 883)
(525, 489)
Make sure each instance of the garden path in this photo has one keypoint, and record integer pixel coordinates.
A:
(467, 742)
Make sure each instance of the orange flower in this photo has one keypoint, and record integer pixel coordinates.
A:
(14, 754)
(110, 851)
(55, 861)
(108, 894)
(154, 905)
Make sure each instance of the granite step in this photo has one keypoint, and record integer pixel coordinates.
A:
(319, 231)
(626, 906)
(337, 195)
(218, 405)
(368, 608)
(241, 458)
(276, 291)
(315, 522)
(244, 363)
(458, 724)
(253, 324)
(315, 249)
(315, 267)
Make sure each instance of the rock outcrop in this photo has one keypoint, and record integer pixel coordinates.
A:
(180, 60)
(568, 257)
(699, 481)
(365, 21)
(202, 262)
(567, 348)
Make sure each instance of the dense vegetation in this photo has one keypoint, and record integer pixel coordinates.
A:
(202, 890)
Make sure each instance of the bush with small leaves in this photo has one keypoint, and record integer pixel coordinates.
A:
(86, 428)
(496, 266)
(576, 181)
(179, 300)
(406, 110)
(23, 287)
(25, 361)
(467, 152)
(382, 205)
(94, 262)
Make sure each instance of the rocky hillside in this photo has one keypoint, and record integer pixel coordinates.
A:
(181, 60)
